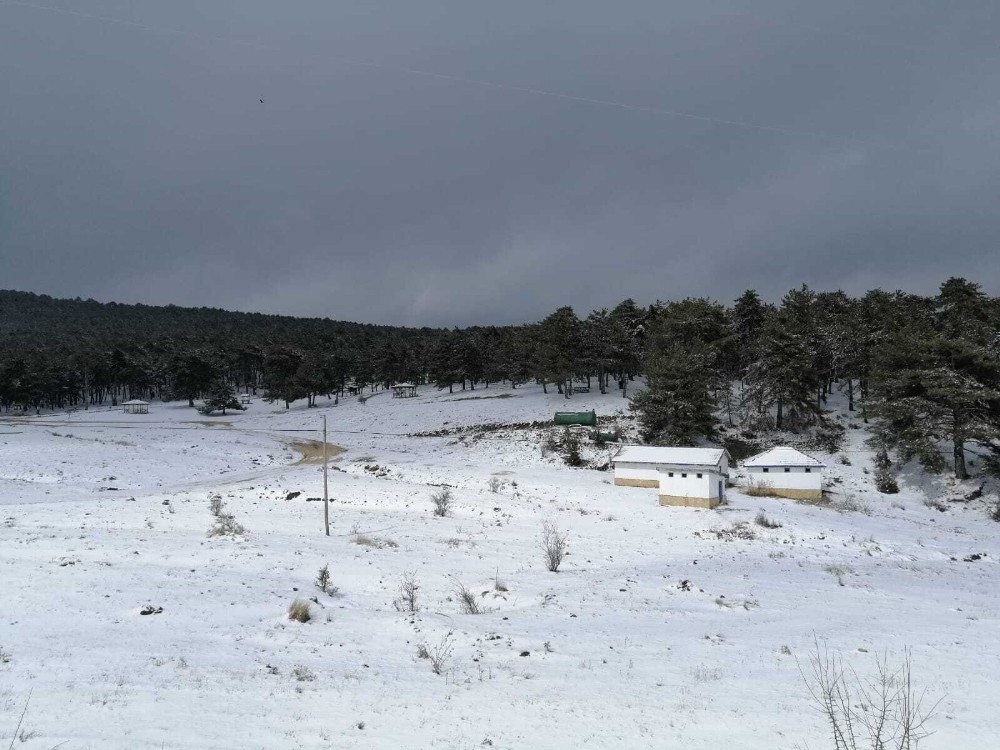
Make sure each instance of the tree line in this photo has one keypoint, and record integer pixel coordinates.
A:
(924, 368)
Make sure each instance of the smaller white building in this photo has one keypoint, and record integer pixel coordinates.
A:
(691, 477)
(787, 472)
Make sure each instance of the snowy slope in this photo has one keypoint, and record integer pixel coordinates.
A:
(655, 633)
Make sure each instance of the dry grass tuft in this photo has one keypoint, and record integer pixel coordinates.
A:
(299, 611)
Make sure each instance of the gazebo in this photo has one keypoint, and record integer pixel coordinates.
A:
(404, 390)
(136, 406)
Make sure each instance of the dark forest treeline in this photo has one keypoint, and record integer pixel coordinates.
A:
(926, 367)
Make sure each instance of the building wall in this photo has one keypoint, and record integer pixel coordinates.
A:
(636, 475)
(691, 486)
(689, 502)
(796, 479)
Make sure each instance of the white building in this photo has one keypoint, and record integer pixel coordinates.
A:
(787, 472)
(692, 477)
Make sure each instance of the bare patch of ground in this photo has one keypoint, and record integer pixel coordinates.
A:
(312, 451)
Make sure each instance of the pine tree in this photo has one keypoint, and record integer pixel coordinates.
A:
(190, 374)
(939, 380)
(780, 377)
(677, 406)
(221, 395)
(682, 367)
(559, 349)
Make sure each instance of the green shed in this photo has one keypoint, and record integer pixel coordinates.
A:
(585, 418)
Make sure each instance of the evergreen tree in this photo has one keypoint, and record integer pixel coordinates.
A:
(220, 396)
(677, 406)
(190, 374)
(940, 381)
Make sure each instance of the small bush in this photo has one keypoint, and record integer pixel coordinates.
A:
(467, 600)
(758, 488)
(378, 542)
(571, 449)
(839, 571)
(762, 520)
(851, 504)
(995, 513)
(299, 611)
(303, 674)
(738, 530)
(407, 599)
(845, 460)
(5, 657)
(226, 525)
(937, 505)
(499, 585)
(323, 581)
(553, 546)
(442, 502)
(496, 484)
(550, 445)
(881, 459)
(440, 655)
(215, 505)
(422, 652)
(885, 482)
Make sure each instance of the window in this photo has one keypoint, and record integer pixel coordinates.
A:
(684, 476)
(808, 470)
(765, 470)
(787, 470)
(670, 473)
(699, 476)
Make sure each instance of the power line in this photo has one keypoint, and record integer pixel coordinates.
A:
(533, 91)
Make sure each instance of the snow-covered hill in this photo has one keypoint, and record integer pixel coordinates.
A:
(662, 629)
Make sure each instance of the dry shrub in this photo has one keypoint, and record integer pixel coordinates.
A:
(442, 500)
(738, 530)
(215, 505)
(439, 655)
(758, 488)
(467, 600)
(299, 611)
(851, 504)
(553, 546)
(226, 525)
(377, 542)
(407, 599)
(883, 711)
(761, 519)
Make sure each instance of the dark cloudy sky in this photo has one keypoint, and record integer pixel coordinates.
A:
(408, 166)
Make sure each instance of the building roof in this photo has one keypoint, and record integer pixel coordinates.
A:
(782, 456)
(136, 402)
(648, 454)
(404, 385)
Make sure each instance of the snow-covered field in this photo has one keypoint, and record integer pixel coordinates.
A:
(656, 633)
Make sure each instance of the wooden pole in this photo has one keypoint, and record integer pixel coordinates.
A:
(326, 496)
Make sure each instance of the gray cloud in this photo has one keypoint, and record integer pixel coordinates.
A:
(138, 164)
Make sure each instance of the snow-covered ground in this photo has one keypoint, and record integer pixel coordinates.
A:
(656, 632)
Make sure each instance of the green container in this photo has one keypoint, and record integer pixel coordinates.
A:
(585, 418)
(605, 437)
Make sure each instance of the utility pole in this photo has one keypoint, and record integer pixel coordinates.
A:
(326, 496)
